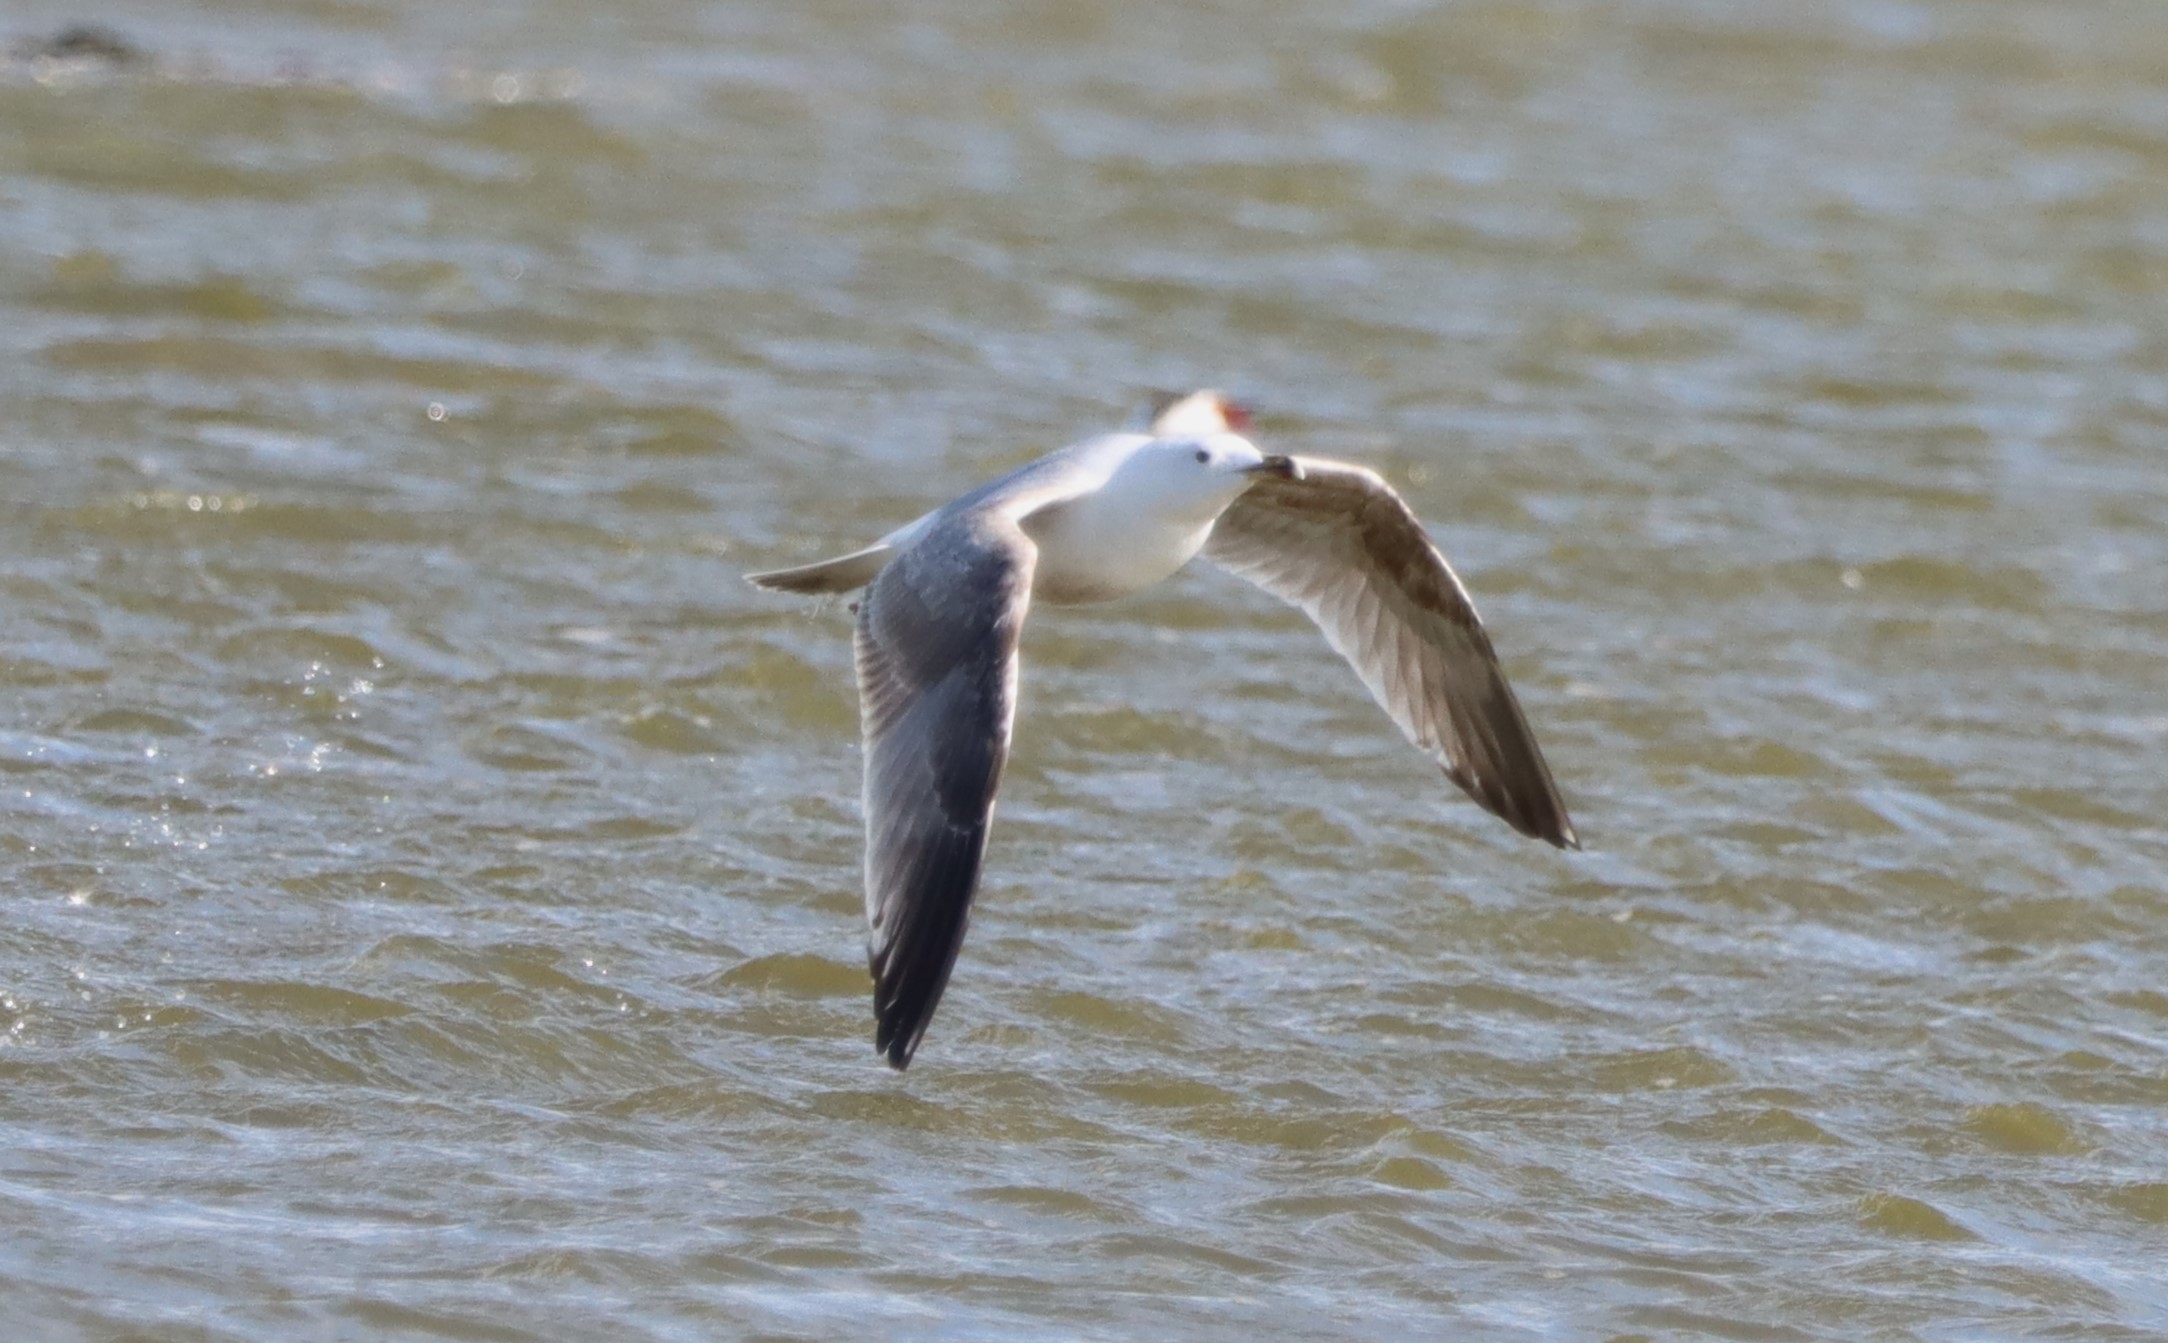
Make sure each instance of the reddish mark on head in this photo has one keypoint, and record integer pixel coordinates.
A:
(1235, 413)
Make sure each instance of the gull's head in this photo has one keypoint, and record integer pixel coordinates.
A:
(1199, 473)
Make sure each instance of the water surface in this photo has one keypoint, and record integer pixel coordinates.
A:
(431, 876)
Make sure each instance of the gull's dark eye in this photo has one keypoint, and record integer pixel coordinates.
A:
(1203, 456)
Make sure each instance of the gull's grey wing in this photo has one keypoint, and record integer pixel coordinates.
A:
(1337, 542)
(936, 648)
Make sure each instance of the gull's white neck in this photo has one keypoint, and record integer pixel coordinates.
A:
(1121, 537)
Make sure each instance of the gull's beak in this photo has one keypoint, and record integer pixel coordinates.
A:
(1286, 468)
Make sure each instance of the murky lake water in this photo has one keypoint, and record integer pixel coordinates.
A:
(431, 874)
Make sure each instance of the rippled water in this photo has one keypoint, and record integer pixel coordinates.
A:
(431, 875)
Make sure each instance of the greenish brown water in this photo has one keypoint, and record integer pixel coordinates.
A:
(430, 874)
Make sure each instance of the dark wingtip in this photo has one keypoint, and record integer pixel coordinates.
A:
(1539, 816)
(896, 1032)
(1557, 832)
(1550, 825)
(894, 1042)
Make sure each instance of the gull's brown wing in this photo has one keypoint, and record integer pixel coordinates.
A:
(936, 649)
(1339, 544)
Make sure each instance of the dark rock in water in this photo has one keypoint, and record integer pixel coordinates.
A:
(83, 42)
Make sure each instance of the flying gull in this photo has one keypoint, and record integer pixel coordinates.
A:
(936, 645)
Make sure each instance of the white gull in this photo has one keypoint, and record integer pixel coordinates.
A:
(937, 636)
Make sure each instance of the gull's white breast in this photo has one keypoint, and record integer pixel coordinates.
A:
(1120, 538)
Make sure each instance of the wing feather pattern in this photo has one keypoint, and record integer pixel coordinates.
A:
(936, 649)
(1337, 542)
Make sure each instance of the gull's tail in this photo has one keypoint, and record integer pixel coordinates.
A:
(841, 574)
